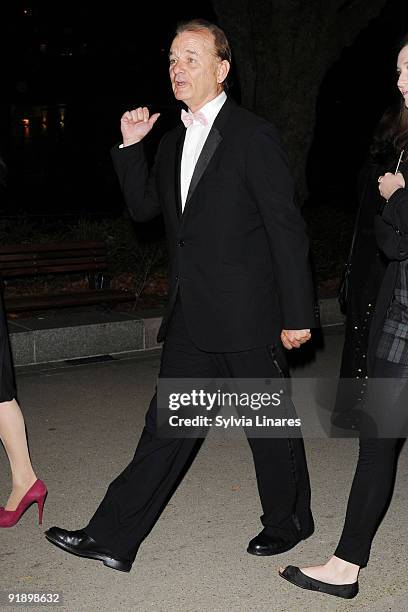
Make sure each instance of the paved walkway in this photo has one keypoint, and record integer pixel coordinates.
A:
(84, 422)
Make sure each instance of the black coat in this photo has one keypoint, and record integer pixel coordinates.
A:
(368, 265)
(391, 228)
(239, 252)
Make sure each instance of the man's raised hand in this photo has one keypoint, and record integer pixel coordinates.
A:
(135, 124)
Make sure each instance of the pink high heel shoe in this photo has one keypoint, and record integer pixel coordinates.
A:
(35, 494)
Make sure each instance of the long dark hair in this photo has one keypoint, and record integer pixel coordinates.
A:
(391, 135)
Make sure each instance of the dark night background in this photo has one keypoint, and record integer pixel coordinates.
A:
(72, 72)
(73, 69)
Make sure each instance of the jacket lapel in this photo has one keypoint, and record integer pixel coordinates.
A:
(210, 146)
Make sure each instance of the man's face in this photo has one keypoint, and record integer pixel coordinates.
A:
(196, 73)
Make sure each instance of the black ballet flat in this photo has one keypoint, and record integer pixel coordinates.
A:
(296, 576)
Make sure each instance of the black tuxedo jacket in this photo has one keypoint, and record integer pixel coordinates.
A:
(239, 252)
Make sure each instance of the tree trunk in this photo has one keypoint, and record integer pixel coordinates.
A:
(282, 50)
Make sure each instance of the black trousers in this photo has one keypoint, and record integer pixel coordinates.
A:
(135, 499)
(375, 473)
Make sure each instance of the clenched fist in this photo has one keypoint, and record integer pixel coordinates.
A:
(135, 124)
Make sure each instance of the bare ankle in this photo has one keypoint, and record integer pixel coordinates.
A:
(343, 567)
(24, 481)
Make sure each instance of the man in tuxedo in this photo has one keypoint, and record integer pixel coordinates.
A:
(240, 288)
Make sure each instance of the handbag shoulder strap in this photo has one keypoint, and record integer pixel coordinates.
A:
(358, 215)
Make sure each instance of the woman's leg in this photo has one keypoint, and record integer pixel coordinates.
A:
(375, 472)
(13, 436)
(370, 492)
(369, 496)
(368, 499)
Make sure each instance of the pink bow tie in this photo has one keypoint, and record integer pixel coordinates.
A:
(189, 118)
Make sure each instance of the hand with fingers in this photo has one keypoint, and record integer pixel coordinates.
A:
(294, 338)
(389, 183)
(135, 124)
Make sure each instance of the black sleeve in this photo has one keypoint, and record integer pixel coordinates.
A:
(272, 186)
(395, 211)
(138, 186)
(391, 227)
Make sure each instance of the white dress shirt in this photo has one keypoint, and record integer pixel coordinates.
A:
(196, 135)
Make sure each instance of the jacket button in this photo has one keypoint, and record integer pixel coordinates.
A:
(181, 243)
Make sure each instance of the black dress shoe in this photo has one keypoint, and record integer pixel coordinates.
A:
(263, 544)
(296, 576)
(81, 544)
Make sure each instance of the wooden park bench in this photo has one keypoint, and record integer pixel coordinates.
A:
(28, 260)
